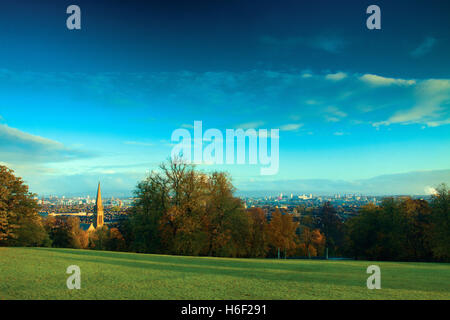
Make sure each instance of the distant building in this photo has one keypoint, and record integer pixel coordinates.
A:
(98, 212)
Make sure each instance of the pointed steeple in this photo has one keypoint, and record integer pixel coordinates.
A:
(98, 202)
(98, 209)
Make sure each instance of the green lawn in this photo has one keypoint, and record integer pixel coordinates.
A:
(40, 273)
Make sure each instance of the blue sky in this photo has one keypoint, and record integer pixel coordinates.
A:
(358, 110)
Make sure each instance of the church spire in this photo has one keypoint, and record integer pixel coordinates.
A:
(98, 209)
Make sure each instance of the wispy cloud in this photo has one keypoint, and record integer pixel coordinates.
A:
(425, 47)
(432, 107)
(376, 80)
(336, 76)
(291, 127)
(251, 99)
(21, 147)
(334, 114)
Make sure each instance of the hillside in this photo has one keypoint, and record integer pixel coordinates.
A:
(40, 273)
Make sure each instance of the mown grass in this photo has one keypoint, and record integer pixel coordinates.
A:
(40, 273)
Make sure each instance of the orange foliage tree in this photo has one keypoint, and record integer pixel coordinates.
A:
(312, 242)
(281, 231)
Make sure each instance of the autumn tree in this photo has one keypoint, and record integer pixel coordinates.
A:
(104, 238)
(182, 222)
(98, 239)
(312, 241)
(226, 221)
(180, 210)
(20, 223)
(282, 232)
(258, 240)
(65, 232)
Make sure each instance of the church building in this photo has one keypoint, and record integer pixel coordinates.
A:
(98, 212)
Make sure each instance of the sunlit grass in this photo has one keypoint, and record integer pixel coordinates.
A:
(40, 273)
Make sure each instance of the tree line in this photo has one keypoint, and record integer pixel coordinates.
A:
(180, 210)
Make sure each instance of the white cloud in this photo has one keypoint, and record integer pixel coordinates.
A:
(334, 114)
(430, 190)
(21, 147)
(432, 107)
(438, 123)
(336, 111)
(376, 80)
(20, 136)
(336, 76)
(332, 119)
(291, 127)
(311, 102)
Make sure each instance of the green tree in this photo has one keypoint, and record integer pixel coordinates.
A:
(416, 224)
(20, 223)
(331, 226)
(99, 238)
(362, 231)
(396, 230)
(151, 200)
(440, 233)
(258, 240)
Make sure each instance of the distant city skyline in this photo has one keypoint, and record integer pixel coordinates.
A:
(359, 111)
(323, 187)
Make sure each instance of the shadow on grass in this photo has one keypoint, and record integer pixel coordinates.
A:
(313, 266)
(324, 272)
(217, 267)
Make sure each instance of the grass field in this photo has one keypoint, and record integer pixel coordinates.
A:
(40, 273)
